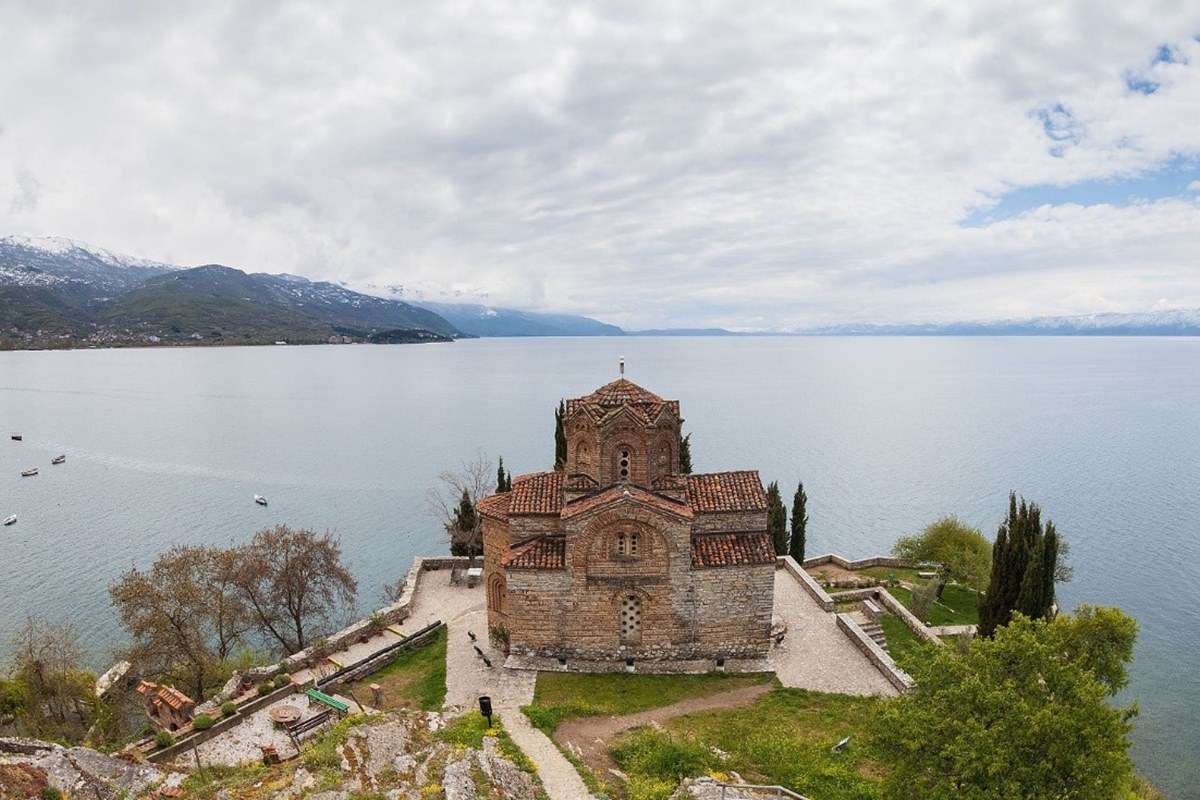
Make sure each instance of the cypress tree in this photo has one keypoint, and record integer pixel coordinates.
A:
(685, 455)
(777, 519)
(1024, 567)
(500, 482)
(799, 524)
(462, 533)
(560, 436)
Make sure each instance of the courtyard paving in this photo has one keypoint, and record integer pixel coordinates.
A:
(815, 653)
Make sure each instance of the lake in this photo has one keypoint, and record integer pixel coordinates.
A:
(168, 446)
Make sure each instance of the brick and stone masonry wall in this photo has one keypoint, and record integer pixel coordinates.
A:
(875, 654)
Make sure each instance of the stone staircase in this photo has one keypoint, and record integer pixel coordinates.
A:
(872, 629)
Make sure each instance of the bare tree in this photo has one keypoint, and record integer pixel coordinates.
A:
(293, 581)
(453, 502)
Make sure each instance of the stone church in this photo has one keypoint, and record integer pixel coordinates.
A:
(618, 559)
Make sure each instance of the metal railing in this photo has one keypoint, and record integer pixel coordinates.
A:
(776, 791)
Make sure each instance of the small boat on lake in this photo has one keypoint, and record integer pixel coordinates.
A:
(258, 498)
(11, 520)
(16, 437)
(58, 459)
(29, 473)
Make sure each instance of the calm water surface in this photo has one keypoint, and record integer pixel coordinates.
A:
(168, 446)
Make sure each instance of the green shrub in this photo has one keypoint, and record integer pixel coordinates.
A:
(50, 793)
(265, 688)
(164, 739)
(282, 680)
(228, 709)
(202, 722)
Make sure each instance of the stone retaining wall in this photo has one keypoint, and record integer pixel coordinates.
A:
(862, 563)
(808, 582)
(893, 605)
(876, 654)
(378, 661)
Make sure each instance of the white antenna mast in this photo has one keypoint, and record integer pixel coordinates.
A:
(622, 366)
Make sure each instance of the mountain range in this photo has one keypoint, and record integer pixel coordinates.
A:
(57, 292)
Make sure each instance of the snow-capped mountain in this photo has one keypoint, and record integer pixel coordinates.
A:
(1166, 322)
(57, 261)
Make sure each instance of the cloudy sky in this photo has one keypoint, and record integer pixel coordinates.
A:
(740, 164)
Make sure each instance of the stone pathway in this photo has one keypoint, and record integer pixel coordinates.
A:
(815, 653)
(559, 778)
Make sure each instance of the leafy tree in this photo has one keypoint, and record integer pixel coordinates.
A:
(560, 436)
(685, 455)
(50, 692)
(164, 611)
(293, 582)
(962, 553)
(1025, 567)
(777, 519)
(1024, 714)
(799, 524)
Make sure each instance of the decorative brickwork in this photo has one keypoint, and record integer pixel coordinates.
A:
(618, 556)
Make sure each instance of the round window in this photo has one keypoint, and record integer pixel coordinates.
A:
(624, 463)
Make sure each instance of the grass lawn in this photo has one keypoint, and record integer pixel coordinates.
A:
(901, 573)
(958, 605)
(785, 738)
(561, 695)
(417, 679)
(904, 646)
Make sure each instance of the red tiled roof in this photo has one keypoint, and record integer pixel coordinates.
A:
(538, 493)
(545, 552)
(615, 493)
(495, 506)
(726, 491)
(731, 549)
(164, 694)
(621, 393)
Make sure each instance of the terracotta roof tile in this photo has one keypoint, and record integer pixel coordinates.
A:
(615, 493)
(621, 393)
(544, 552)
(538, 493)
(731, 549)
(726, 491)
(173, 697)
(495, 506)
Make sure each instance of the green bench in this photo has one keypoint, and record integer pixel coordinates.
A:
(326, 700)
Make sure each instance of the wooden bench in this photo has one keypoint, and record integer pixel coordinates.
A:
(326, 700)
(298, 729)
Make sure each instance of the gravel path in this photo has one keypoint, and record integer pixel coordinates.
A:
(815, 653)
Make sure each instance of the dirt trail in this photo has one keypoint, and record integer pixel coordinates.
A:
(590, 736)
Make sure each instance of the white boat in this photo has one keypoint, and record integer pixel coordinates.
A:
(29, 473)
(12, 520)
(58, 459)
(258, 498)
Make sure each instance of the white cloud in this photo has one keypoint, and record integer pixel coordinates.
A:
(648, 164)
(1194, 186)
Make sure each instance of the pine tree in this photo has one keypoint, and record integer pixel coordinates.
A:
(685, 455)
(501, 485)
(777, 519)
(799, 524)
(560, 436)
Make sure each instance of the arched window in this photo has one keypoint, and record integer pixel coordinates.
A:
(581, 453)
(631, 619)
(628, 543)
(496, 593)
(623, 465)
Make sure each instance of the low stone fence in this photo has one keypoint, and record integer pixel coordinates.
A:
(807, 581)
(875, 654)
(862, 563)
(378, 661)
